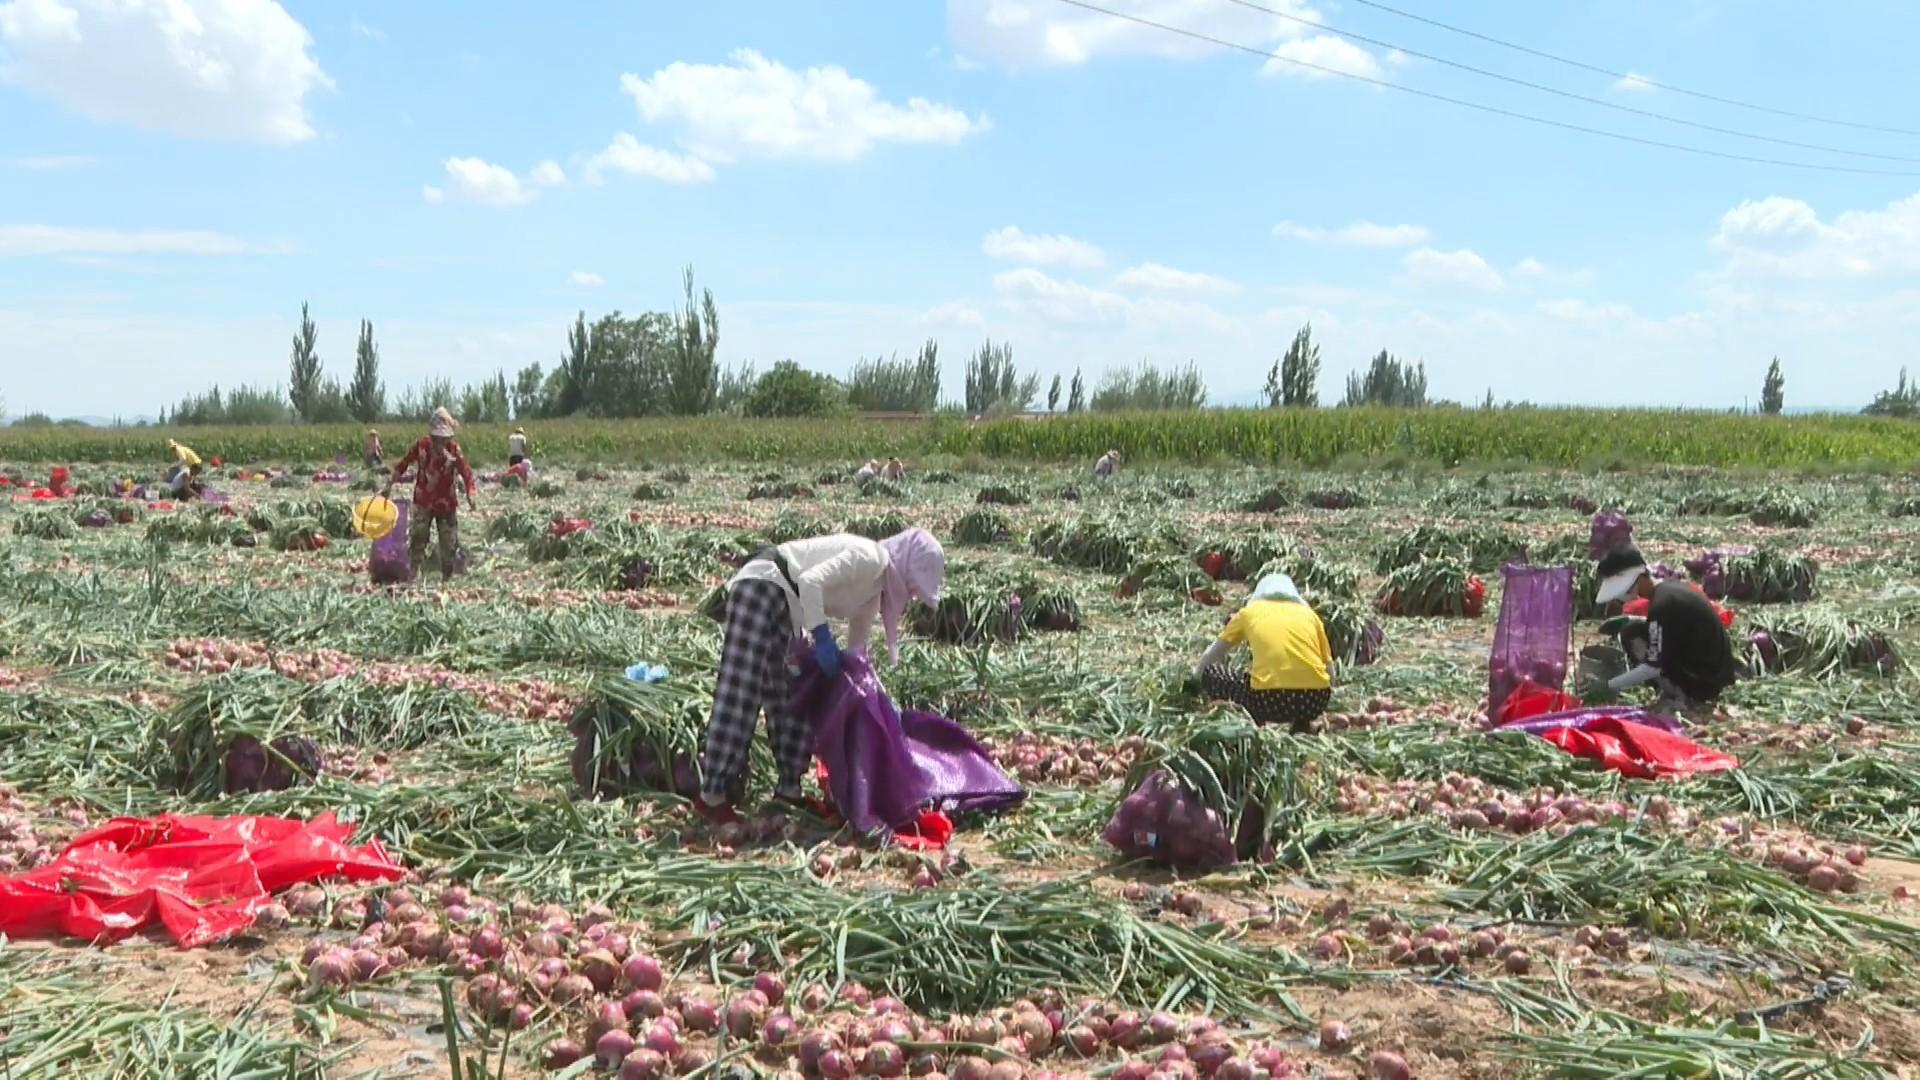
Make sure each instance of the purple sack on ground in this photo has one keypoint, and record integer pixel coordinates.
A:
(1610, 529)
(1582, 719)
(1534, 634)
(389, 563)
(883, 767)
(1164, 822)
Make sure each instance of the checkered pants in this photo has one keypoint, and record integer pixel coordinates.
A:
(753, 676)
(1297, 708)
(421, 527)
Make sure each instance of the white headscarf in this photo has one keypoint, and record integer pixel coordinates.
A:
(1276, 587)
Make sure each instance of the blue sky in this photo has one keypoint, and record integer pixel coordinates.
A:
(851, 177)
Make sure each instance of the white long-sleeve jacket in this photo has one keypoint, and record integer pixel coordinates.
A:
(840, 576)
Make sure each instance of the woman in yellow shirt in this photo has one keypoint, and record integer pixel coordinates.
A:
(1291, 678)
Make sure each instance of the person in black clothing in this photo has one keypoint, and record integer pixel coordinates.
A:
(1683, 644)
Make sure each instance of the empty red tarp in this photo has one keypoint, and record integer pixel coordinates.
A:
(1638, 750)
(202, 878)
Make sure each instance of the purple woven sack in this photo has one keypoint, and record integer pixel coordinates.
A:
(884, 767)
(1161, 820)
(389, 564)
(1535, 631)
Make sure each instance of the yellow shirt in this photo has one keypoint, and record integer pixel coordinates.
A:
(1289, 643)
(185, 456)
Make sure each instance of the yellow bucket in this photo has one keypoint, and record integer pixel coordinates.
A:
(375, 516)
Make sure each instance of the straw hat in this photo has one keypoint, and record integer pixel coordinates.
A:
(442, 424)
(519, 431)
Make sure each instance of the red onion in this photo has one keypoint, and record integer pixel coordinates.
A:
(307, 902)
(617, 944)
(743, 1015)
(663, 1039)
(971, 1068)
(642, 972)
(855, 994)
(1124, 1030)
(1235, 1068)
(883, 1006)
(610, 1016)
(1162, 1028)
(700, 1015)
(927, 1064)
(315, 947)
(562, 1053)
(333, 967)
(1857, 855)
(368, 964)
(1171, 1054)
(1081, 1040)
(835, 1066)
(815, 998)
(892, 1031)
(1518, 962)
(643, 1003)
(885, 1060)
(487, 943)
(1130, 1070)
(572, 988)
(600, 968)
(692, 1060)
(612, 1048)
(1033, 1031)
(459, 914)
(814, 1046)
(643, 1064)
(521, 1017)
(272, 917)
(771, 986)
(544, 944)
(1335, 1037)
(1006, 1070)
(553, 968)
(455, 896)
(1387, 1065)
(1823, 878)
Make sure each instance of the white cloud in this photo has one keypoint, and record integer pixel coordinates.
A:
(472, 180)
(51, 162)
(1321, 57)
(1575, 310)
(1359, 234)
(754, 107)
(1635, 83)
(631, 157)
(1459, 269)
(371, 33)
(1067, 301)
(953, 313)
(22, 240)
(547, 174)
(1530, 267)
(1785, 237)
(215, 69)
(1044, 33)
(1009, 244)
(586, 279)
(1155, 276)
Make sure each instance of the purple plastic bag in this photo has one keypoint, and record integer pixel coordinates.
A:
(1610, 530)
(1535, 631)
(883, 767)
(1583, 719)
(1161, 820)
(390, 564)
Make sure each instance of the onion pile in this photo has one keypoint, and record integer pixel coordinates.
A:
(22, 847)
(1066, 762)
(532, 699)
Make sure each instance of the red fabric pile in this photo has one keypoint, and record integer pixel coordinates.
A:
(1530, 699)
(202, 878)
(1639, 751)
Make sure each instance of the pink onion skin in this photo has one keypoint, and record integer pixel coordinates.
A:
(885, 1060)
(1335, 1037)
(701, 1015)
(643, 1004)
(643, 972)
(572, 988)
(813, 1046)
(661, 1038)
(643, 1064)
(562, 1053)
(1387, 1065)
(610, 1049)
(835, 1066)
(1236, 1068)
(771, 986)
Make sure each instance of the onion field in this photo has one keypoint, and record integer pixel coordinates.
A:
(1422, 897)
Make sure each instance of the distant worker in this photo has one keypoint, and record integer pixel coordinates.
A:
(183, 476)
(1682, 644)
(516, 447)
(786, 593)
(1107, 465)
(440, 467)
(375, 454)
(896, 471)
(867, 472)
(1291, 678)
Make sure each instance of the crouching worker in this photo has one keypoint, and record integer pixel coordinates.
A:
(1291, 679)
(183, 475)
(788, 592)
(1682, 645)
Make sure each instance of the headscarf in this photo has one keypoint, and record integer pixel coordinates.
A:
(1276, 587)
(916, 568)
(442, 425)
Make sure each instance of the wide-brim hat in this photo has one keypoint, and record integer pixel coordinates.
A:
(1619, 571)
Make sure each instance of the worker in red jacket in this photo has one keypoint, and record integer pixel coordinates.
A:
(440, 469)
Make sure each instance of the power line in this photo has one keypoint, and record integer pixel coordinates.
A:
(1485, 108)
(1599, 70)
(1570, 94)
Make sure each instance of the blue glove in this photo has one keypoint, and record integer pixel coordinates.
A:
(825, 651)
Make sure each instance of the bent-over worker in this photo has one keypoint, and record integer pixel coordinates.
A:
(1107, 465)
(183, 476)
(440, 466)
(516, 447)
(788, 592)
(1291, 680)
(1683, 644)
(375, 454)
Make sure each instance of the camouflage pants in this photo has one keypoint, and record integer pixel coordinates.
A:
(417, 531)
